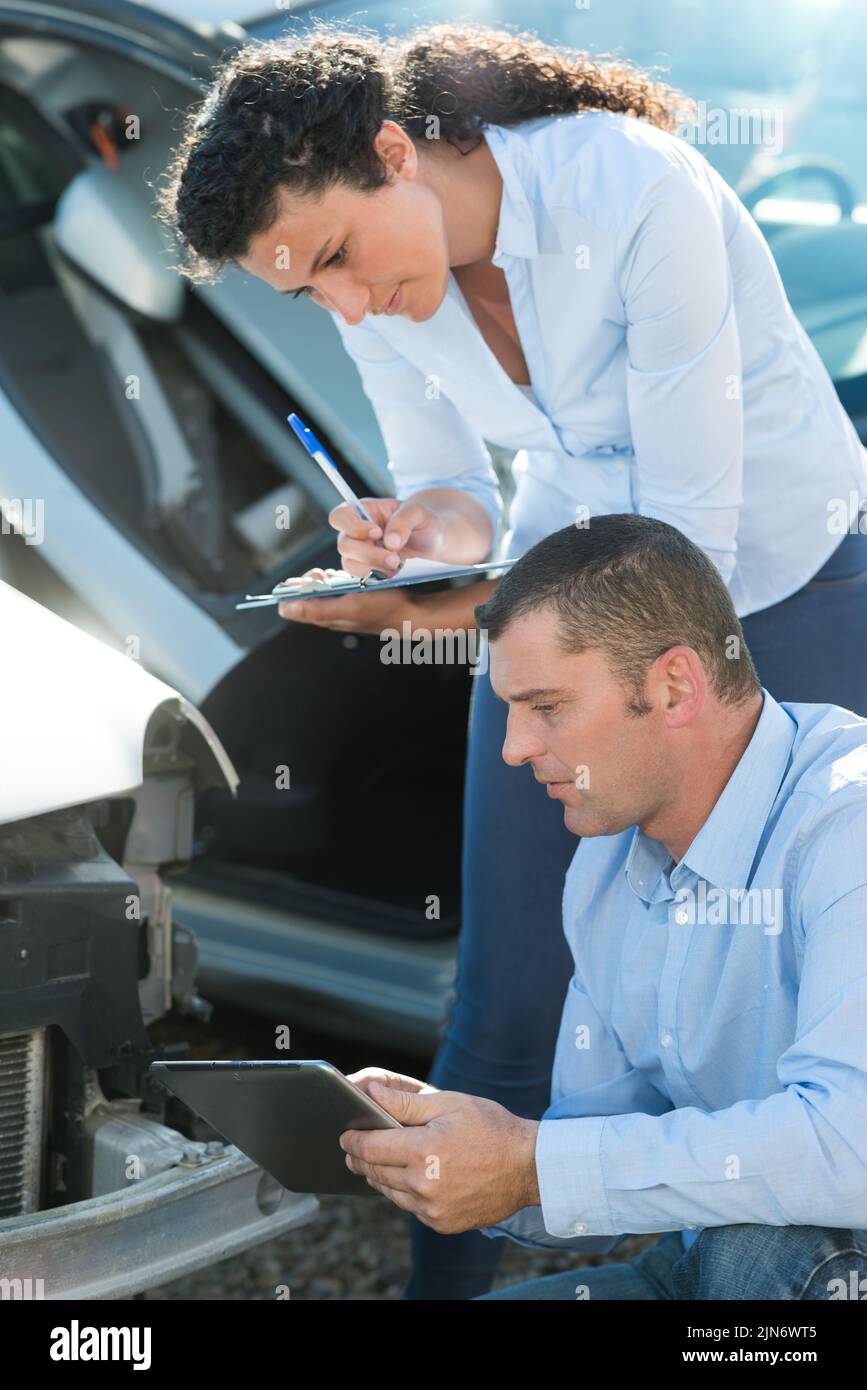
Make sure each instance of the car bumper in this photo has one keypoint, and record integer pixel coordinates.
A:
(144, 1235)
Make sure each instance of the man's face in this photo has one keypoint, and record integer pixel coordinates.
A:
(372, 244)
(568, 719)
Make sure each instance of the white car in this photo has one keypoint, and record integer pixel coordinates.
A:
(105, 1190)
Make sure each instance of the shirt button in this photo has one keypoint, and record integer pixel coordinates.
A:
(681, 916)
(580, 1228)
(665, 1039)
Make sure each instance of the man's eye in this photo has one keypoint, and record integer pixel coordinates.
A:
(545, 709)
(332, 260)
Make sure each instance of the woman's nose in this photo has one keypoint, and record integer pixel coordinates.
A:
(351, 303)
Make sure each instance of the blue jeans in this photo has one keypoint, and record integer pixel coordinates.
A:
(725, 1262)
(514, 965)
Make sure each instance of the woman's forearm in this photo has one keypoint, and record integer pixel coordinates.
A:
(452, 608)
(467, 530)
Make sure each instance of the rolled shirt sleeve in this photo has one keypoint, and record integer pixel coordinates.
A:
(795, 1157)
(684, 368)
(427, 440)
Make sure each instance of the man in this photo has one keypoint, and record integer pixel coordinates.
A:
(710, 1077)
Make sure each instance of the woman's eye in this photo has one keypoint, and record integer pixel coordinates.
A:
(337, 259)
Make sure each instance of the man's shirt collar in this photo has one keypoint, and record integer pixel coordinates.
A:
(725, 847)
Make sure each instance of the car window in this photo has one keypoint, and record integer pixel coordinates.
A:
(34, 166)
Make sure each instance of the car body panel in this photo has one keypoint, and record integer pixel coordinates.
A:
(75, 714)
(339, 979)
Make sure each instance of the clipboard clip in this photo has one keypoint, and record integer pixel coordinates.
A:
(376, 575)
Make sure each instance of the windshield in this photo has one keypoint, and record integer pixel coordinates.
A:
(781, 94)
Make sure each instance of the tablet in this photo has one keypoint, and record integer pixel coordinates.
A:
(286, 1116)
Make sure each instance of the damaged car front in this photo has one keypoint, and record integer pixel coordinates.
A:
(106, 1188)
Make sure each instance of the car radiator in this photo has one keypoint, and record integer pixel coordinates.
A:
(22, 1105)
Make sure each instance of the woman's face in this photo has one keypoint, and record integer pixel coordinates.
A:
(365, 253)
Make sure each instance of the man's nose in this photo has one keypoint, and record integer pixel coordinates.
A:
(520, 744)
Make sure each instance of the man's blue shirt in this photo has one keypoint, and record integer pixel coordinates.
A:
(711, 1065)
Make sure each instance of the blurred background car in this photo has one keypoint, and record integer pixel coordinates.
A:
(148, 417)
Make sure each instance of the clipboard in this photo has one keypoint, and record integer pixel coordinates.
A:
(413, 572)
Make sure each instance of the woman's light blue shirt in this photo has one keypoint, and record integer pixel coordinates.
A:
(672, 376)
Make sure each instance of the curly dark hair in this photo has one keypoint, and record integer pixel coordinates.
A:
(303, 115)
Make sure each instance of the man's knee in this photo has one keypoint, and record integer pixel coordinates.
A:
(777, 1262)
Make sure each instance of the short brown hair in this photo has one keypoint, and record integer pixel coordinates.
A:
(632, 587)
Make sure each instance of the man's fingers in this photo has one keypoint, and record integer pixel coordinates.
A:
(378, 1075)
(393, 1147)
(409, 1107)
(381, 1174)
(405, 1200)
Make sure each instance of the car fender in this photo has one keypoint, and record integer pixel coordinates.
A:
(74, 715)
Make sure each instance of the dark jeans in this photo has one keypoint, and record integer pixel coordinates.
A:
(514, 965)
(743, 1262)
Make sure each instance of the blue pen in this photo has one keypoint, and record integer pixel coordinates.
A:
(328, 466)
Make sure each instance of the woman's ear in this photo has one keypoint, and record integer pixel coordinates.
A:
(396, 149)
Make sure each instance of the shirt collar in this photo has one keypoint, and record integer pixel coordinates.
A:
(725, 847)
(516, 229)
(644, 865)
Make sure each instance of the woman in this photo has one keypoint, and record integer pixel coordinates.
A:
(517, 247)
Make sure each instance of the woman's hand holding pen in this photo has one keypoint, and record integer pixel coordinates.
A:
(408, 528)
(455, 529)
(402, 530)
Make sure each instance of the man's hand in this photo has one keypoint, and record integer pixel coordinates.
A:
(378, 1076)
(461, 1162)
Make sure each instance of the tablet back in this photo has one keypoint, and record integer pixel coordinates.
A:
(286, 1116)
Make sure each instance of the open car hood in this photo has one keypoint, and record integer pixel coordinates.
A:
(74, 715)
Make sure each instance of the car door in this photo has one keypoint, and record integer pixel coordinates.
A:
(155, 570)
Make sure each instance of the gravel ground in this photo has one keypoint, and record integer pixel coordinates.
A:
(358, 1248)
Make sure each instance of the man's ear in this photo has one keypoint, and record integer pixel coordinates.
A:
(683, 684)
